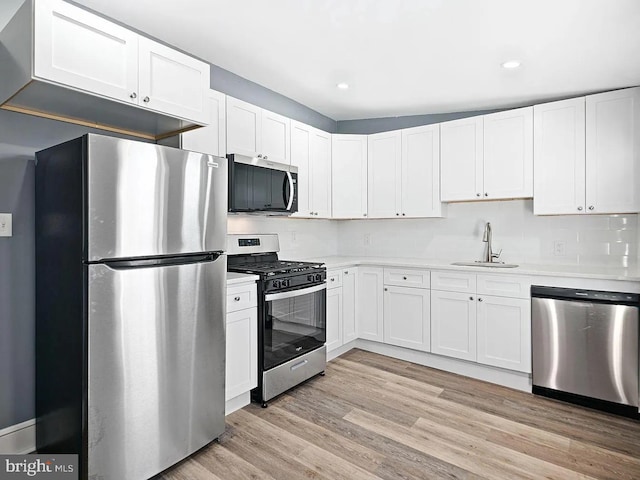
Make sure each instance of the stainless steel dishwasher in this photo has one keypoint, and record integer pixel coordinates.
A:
(585, 347)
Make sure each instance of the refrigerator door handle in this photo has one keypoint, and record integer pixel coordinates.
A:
(162, 261)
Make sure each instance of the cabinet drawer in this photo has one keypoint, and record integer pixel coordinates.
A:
(240, 297)
(407, 277)
(504, 286)
(453, 282)
(334, 278)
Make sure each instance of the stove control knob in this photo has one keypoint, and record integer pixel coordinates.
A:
(318, 277)
(310, 278)
(276, 284)
(285, 283)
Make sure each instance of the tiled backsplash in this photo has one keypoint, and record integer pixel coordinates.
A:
(595, 240)
(602, 240)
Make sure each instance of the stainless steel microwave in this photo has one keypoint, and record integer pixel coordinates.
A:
(257, 185)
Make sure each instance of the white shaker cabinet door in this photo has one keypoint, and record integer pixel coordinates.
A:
(349, 285)
(300, 158)
(320, 174)
(559, 157)
(244, 128)
(613, 152)
(461, 159)
(77, 48)
(370, 303)
(508, 154)
(276, 137)
(334, 318)
(242, 352)
(504, 332)
(384, 175)
(349, 176)
(453, 324)
(172, 82)
(212, 138)
(407, 317)
(421, 172)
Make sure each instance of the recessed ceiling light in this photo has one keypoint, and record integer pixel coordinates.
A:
(511, 64)
(343, 85)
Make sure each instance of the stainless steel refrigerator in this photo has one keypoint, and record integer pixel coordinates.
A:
(130, 304)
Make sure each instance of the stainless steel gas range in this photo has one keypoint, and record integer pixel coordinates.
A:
(291, 313)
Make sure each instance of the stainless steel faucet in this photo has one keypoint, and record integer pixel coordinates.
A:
(489, 256)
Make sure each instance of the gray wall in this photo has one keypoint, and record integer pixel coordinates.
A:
(17, 284)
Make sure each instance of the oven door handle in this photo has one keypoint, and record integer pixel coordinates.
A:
(294, 293)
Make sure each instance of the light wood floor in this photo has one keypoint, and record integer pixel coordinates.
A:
(376, 417)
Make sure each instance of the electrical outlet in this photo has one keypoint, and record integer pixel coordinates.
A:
(367, 239)
(559, 248)
(5, 225)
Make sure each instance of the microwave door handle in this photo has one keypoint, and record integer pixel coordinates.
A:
(291, 192)
(294, 293)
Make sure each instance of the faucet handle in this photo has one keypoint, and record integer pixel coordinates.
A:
(496, 255)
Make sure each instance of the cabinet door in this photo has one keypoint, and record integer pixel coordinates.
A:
(559, 157)
(453, 324)
(212, 138)
(504, 332)
(300, 158)
(508, 154)
(370, 304)
(244, 127)
(76, 48)
(407, 317)
(349, 331)
(384, 175)
(320, 174)
(420, 186)
(334, 318)
(242, 352)
(349, 176)
(276, 135)
(613, 152)
(461, 159)
(172, 82)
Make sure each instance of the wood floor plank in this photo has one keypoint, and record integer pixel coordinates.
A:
(375, 417)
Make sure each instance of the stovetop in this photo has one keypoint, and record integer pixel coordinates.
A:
(269, 265)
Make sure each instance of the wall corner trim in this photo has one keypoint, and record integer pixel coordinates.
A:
(18, 439)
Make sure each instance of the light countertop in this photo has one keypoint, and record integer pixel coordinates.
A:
(574, 271)
(234, 278)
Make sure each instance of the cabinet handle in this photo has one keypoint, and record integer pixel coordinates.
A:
(480, 299)
(477, 194)
(404, 278)
(364, 214)
(133, 95)
(486, 194)
(591, 207)
(580, 208)
(146, 99)
(386, 289)
(403, 214)
(265, 157)
(316, 214)
(346, 272)
(397, 214)
(333, 279)
(237, 299)
(259, 155)
(470, 298)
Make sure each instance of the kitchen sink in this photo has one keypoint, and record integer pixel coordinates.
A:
(486, 264)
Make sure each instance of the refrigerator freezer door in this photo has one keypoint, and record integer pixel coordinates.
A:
(156, 349)
(148, 200)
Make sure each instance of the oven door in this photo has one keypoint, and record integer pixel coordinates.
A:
(295, 322)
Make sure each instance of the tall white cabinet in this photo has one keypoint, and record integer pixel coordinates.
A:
(384, 174)
(587, 155)
(461, 159)
(349, 176)
(370, 303)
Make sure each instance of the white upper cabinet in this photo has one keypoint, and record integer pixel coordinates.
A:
(487, 157)
(559, 146)
(384, 175)
(349, 176)
(613, 152)
(311, 154)
(420, 186)
(255, 132)
(461, 159)
(77, 48)
(244, 128)
(587, 154)
(508, 154)
(171, 81)
(212, 138)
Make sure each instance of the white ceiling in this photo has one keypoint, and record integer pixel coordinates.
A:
(402, 57)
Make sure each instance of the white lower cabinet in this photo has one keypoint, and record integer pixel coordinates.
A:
(241, 374)
(370, 303)
(504, 332)
(407, 317)
(341, 307)
(453, 324)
